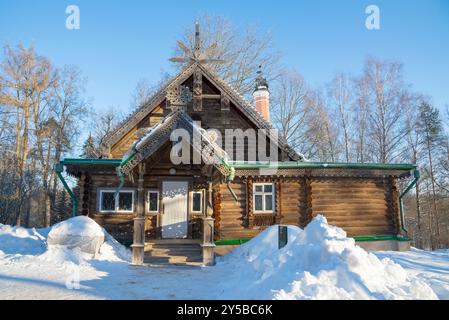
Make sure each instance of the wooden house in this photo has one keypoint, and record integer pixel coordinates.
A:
(141, 197)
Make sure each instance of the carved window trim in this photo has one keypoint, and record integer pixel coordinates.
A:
(147, 201)
(263, 193)
(202, 201)
(100, 193)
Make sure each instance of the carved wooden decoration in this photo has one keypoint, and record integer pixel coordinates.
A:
(277, 201)
(225, 102)
(394, 204)
(178, 97)
(197, 90)
(309, 211)
(217, 212)
(249, 209)
(84, 194)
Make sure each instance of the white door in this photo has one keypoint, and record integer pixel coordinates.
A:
(174, 211)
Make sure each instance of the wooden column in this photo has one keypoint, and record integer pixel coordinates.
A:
(208, 244)
(138, 245)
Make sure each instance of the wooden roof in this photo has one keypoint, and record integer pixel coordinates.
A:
(235, 97)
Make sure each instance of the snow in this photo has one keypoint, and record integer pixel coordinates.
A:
(78, 232)
(146, 136)
(81, 226)
(319, 262)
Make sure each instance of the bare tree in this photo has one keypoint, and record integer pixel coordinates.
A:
(25, 82)
(322, 132)
(339, 91)
(361, 114)
(389, 101)
(289, 109)
(44, 105)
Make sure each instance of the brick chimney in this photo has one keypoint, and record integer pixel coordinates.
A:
(261, 96)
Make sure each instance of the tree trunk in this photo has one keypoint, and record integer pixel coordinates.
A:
(47, 210)
(418, 214)
(434, 200)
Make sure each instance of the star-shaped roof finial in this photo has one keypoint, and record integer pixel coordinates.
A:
(197, 54)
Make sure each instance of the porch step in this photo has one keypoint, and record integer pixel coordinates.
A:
(165, 252)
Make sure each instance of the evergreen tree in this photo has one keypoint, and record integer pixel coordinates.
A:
(89, 149)
(432, 134)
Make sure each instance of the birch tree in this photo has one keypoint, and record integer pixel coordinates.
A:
(288, 108)
(389, 102)
(339, 91)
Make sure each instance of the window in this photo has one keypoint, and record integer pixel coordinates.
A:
(123, 203)
(197, 201)
(263, 197)
(107, 201)
(153, 201)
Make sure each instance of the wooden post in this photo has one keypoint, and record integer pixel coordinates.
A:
(208, 244)
(138, 245)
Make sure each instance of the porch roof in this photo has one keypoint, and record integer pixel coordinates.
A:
(158, 134)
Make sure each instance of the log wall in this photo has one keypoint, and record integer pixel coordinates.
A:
(361, 206)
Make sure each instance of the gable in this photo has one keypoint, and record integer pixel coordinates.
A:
(237, 114)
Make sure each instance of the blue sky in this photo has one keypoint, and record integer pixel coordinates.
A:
(121, 42)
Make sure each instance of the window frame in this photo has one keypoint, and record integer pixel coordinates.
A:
(263, 194)
(101, 191)
(147, 201)
(201, 192)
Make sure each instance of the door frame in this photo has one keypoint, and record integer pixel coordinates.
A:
(189, 181)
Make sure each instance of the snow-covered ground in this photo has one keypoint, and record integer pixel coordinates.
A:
(319, 262)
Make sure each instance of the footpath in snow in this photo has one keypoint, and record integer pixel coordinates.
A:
(319, 262)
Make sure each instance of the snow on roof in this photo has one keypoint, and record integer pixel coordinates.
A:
(147, 136)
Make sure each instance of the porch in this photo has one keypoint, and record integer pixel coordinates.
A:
(180, 252)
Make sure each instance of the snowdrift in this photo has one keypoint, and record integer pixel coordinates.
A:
(79, 232)
(18, 240)
(319, 262)
(74, 240)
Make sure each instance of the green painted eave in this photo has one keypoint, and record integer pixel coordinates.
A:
(87, 162)
(318, 165)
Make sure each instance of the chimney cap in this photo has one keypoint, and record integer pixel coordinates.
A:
(261, 81)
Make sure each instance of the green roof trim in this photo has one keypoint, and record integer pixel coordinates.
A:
(381, 238)
(76, 161)
(233, 242)
(258, 165)
(318, 165)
